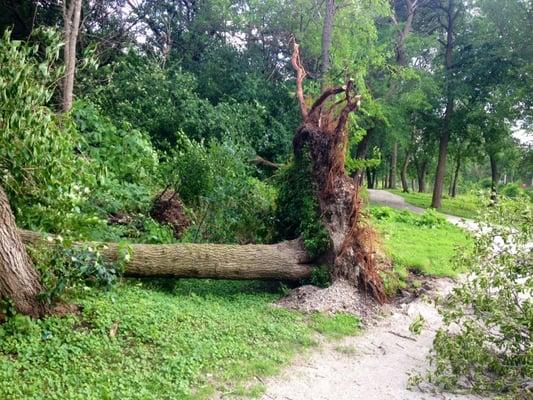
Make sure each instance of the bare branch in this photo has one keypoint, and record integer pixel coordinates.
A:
(300, 76)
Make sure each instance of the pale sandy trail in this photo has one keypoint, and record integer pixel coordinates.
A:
(375, 365)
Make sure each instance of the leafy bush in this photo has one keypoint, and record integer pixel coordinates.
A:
(512, 190)
(63, 265)
(44, 179)
(123, 158)
(429, 219)
(486, 342)
(231, 206)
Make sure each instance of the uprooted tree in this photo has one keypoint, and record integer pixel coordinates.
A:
(346, 241)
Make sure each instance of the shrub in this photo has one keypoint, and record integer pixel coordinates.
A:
(486, 342)
(231, 206)
(63, 265)
(123, 158)
(44, 179)
(512, 190)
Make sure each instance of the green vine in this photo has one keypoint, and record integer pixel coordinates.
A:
(297, 208)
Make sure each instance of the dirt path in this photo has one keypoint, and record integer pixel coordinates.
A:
(377, 364)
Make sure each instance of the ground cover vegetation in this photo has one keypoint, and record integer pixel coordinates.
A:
(171, 122)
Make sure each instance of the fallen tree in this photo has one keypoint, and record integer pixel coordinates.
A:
(283, 261)
(344, 241)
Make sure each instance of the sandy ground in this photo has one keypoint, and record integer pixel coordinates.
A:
(375, 365)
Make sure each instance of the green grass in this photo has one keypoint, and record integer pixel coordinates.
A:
(465, 206)
(422, 244)
(336, 326)
(176, 339)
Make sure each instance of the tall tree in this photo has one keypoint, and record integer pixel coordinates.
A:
(448, 13)
(326, 38)
(71, 20)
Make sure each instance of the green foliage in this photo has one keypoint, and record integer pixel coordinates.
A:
(486, 341)
(148, 338)
(337, 325)
(320, 276)
(297, 207)
(429, 219)
(417, 324)
(121, 157)
(62, 266)
(44, 179)
(231, 206)
(512, 190)
(417, 243)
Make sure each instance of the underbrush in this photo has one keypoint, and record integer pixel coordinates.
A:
(485, 344)
(422, 244)
(157, 339)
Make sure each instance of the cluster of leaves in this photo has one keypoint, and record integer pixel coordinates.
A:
(165, 101)
(64, 265)
(42, 175)
(216, 180)
(297, 212)
(486, 342)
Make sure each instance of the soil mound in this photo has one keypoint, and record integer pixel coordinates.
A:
(167, 208)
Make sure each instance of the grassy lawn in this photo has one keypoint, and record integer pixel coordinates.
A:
(422, 244)
(157, 339)
(465, 206)
(184, 339)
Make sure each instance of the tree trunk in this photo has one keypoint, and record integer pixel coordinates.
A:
(441, 171)
(369, 180)
(326, 38)
(71, 21)
(494, 178)
(451, 15)
(453, 189)
(393, 162)
(421, 175)
(19, 281)
(405, 164)
(284, 261)
(322, 139)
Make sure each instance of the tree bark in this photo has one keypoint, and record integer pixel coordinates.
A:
(495, 177)
(326, 39)
(441, 170)
(451, 15)
(393, 162)
(405, 164)
(283, 261)
(453, 188)
(19, 281)
(421, 175)
(71, 21)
